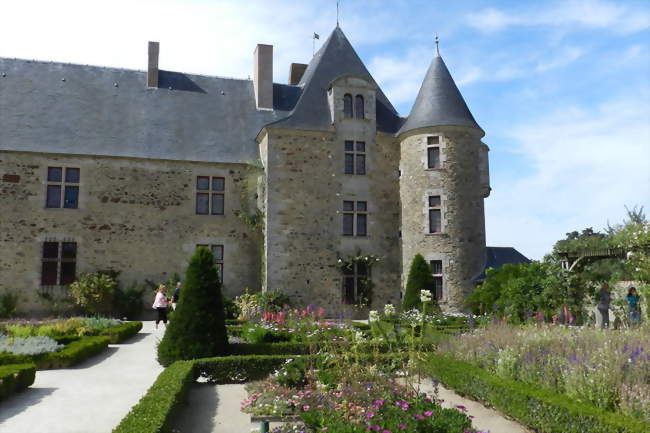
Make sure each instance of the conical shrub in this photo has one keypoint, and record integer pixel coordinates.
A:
(197, 328)
(419, 278)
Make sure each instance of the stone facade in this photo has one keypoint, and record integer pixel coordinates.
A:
(134, 216)
(141, 143)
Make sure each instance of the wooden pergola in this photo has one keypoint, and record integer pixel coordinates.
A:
(570, 259)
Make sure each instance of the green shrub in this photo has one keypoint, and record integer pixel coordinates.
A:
(73, 353)
(153, 413)
(230, 308)
(235, 322)
(254, 333)
(121, 332)
(128, 302)
(94, 292)
(419, 278)
(16, 377)
(273, 300)
(540, 409)
(8, 303)
(29, 345)
(198, 329)
(239, 369)
(293, 373)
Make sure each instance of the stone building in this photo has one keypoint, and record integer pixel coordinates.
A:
(316, 187)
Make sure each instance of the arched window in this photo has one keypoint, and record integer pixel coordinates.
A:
(347, 105)
(358, 107)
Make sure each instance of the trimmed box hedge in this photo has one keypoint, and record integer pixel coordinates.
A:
(153, 413)
(287, 348)
(121, 332)
(15, 378)
(73, 353)
(540, 409)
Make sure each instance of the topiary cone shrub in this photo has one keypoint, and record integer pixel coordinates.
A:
(419, 278)
(198, 328)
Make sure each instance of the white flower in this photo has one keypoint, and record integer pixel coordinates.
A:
(373, 316)
(425, 295)
(389, 309)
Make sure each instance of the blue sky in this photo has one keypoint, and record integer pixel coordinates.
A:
(562, 88)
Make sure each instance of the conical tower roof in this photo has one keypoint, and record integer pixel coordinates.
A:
(439, 102)
(334, 59)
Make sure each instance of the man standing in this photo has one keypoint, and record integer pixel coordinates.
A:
(176, 295)
(605, 298)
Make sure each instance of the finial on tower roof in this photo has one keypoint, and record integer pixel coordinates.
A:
(337, 13)
(437, 45)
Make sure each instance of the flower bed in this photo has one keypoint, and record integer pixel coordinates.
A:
(540, 409)
(72, 354)
(15, 378)
(610, 370)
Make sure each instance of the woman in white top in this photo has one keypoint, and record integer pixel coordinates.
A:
(160, 305)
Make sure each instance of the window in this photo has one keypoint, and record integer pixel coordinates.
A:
(355, 218)
(358, 107)
(210, 195)
(217, 252)
(355, 157)
(433, 152)
(435, 221)
(436, 270)
(59, 263)
(62, 188)
(355, 283)
(347, 105)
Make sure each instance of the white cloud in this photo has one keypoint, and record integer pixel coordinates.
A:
(586, 165)
(568, 14)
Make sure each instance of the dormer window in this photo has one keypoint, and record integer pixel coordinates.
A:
(347, 105)
(358, 107)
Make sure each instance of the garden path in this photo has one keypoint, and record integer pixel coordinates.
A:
(91, 397)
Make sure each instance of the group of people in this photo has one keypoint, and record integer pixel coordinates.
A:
(633, 305)
(162, 302)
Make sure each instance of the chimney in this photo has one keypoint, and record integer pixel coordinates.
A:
(296, 71)
(152, 69)
(263, 76)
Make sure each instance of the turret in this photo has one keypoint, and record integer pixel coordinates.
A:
(443, 166)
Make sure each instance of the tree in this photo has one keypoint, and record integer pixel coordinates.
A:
(197, 328)
(419, 278)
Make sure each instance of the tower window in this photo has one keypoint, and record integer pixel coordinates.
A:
(347, 105)
(433, 152)
(210, 195)
(355, 218)
(355, 157)
(436, 270)
(62, 188)
(435, 215)
(359, 111)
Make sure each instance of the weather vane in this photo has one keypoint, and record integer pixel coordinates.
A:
(437, 45)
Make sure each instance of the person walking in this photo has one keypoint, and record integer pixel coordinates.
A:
(176, 295)
(605, 298)
(160, 305)
(634, 306)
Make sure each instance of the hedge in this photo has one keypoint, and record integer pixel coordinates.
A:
(121, 332)
(16, 377)
(153, 413)
(235, 322)
(287, 348)
(238, 369)
(73, 353)
(540, 409)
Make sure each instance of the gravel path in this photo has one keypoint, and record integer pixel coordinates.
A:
(90, 398)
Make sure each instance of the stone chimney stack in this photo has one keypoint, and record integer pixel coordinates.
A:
(296, 71)
(152, 68)
(263, 76)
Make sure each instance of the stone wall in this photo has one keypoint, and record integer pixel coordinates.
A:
(305, 189)
(461, 244)
(135, 216)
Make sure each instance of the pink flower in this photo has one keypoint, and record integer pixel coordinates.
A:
(428, 413)
(402, 426)
(418, 416)
(306, 407)
(370, 414)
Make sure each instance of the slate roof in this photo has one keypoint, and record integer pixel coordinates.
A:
(334, 59)
(439, 102)
(499, 256)
(202, 118)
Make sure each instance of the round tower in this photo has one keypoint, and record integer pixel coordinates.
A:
(443, 181)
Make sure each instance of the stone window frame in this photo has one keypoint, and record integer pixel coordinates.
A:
(354, 154)
(358, 211)
(435, 205)
(64, 184)
(218, 259)
(354, 107)
(444, 262)
(211, 192)
(357, 277)
(426, 208)
(61, 276)
(441, 145)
